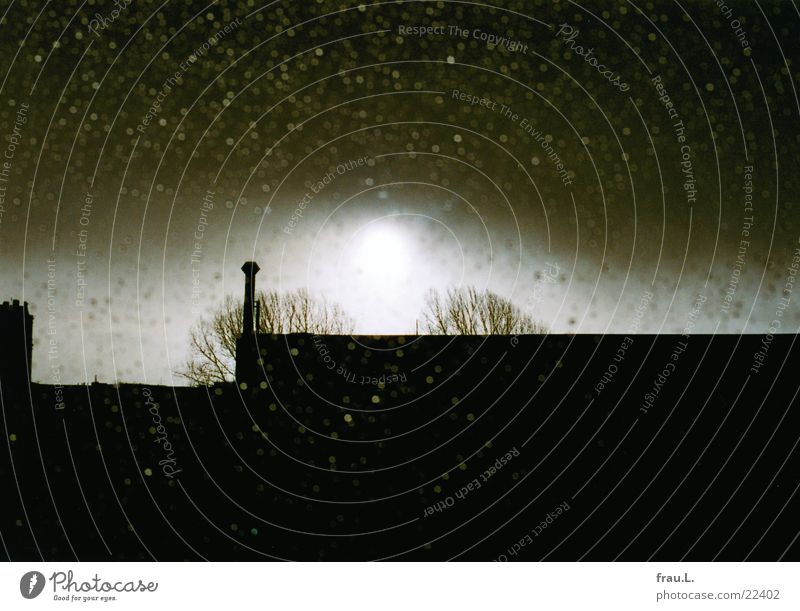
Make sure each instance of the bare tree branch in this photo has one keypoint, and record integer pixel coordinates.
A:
(466, 311)
(212, 341)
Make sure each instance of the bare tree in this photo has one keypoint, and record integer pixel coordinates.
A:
(467, 311)
(212, 341)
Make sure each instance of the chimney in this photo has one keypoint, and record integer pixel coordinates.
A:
(250, 269)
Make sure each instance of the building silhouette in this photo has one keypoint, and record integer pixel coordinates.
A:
(339, 447)
(16, 339)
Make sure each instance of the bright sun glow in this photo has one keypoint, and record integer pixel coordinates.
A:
(382, 252)
(383, 270)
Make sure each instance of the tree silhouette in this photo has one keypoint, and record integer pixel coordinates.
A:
(212, 341)
(467, 311)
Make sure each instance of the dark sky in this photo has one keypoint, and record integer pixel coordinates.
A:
(125, 129)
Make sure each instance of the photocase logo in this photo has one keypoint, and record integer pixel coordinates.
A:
(31, 584)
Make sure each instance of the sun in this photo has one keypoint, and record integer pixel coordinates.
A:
(383, 253)
(382, 271)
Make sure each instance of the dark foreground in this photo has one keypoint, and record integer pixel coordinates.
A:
(558, 448)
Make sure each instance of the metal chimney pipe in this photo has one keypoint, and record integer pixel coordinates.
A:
(250, 269)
